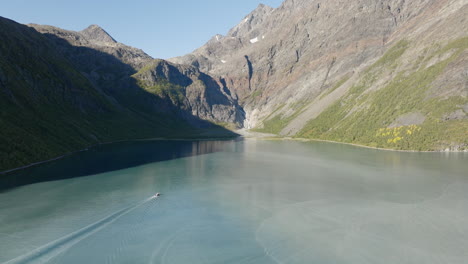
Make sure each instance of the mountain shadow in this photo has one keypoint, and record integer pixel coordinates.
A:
(111, 157)
(57, 98)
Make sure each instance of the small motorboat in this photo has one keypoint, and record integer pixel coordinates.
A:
(157, 195)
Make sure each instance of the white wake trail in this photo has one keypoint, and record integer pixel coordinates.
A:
(52, 249)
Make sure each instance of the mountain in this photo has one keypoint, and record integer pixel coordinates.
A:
(192, 93)
(98, 35)
(388, 74)
(62, 91)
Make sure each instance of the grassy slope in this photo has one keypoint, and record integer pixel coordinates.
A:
(363, 116)
(163, 88)
(275, 122)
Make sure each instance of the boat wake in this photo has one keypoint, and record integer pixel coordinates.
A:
(52, 249)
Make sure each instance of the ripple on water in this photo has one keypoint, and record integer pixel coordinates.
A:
(361, 232)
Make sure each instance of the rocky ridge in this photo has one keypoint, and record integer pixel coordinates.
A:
(197, 94)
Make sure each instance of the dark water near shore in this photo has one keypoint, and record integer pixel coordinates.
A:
(238, 202)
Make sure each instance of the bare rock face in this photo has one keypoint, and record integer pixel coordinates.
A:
(296, 49)
(98, 35)
(290, 64)
(409, 119)
(192, 91)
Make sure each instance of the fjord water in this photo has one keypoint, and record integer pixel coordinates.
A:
(248, 201)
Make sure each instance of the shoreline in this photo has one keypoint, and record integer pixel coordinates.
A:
(108, 143)
(356, 145)
(265, 137)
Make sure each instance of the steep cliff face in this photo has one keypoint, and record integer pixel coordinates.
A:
(63, 91)
(192, 91)
(320, 69)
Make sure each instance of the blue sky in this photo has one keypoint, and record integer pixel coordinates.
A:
(162, 28)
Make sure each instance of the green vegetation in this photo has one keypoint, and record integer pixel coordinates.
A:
(336, 86)
(256, 94)
(228, 126)
(359, 117)
(45, 132)
(164, 89)
(273, 124)
(396, 134)
(390, 58)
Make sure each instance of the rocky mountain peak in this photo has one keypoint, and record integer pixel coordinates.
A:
(96, 38)
(294, 4)
(262, 7)
(251, 21)
(97, 34)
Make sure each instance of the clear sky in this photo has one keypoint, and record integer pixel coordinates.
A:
(162, 28)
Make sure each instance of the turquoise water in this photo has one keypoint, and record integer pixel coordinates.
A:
(239, 202)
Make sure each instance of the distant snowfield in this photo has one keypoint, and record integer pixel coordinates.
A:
(254, 40)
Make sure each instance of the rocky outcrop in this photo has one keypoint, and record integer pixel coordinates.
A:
(192, 91)
(98, 35)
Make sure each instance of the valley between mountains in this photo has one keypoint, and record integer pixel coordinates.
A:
(387, 74)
